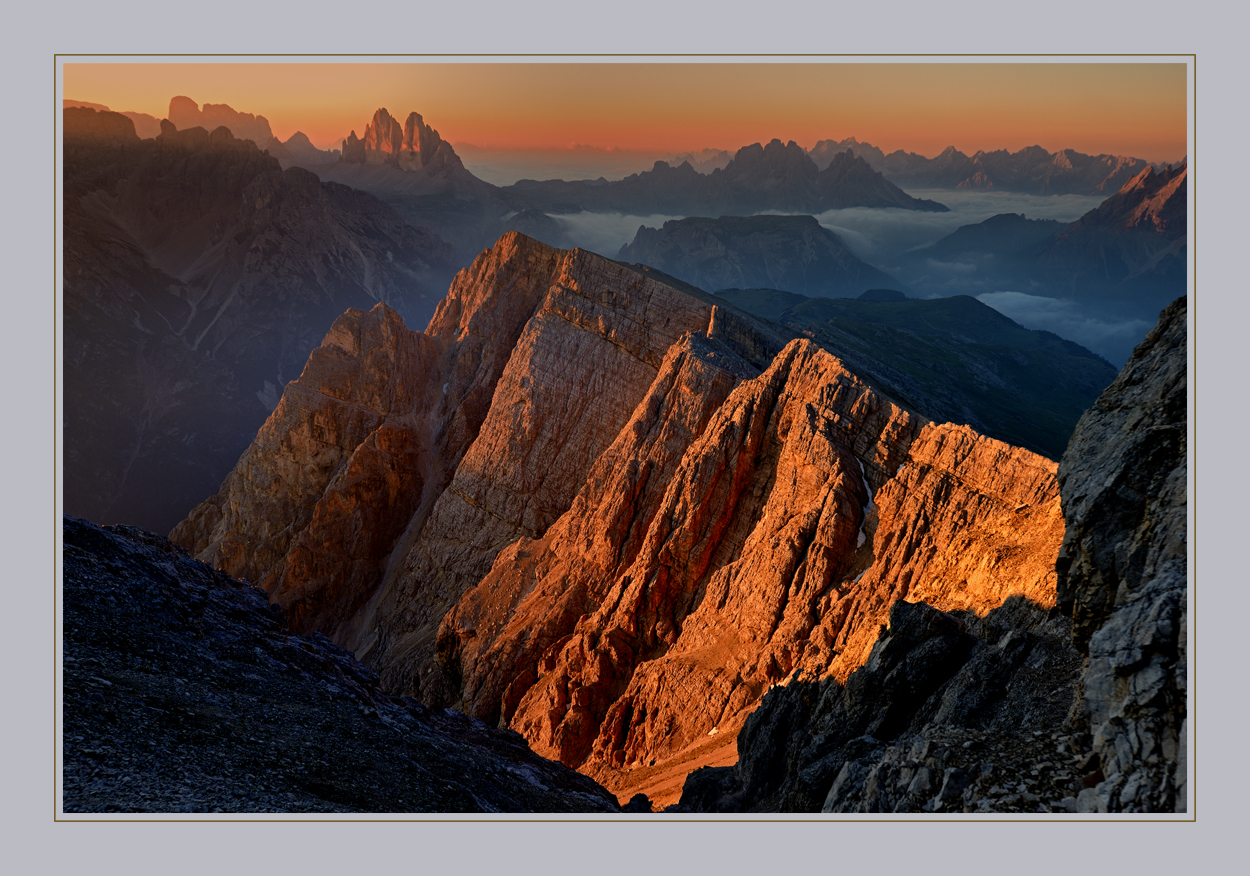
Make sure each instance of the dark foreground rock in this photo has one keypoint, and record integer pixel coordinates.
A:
(949, 714)
(1122, 572)
(184, 693)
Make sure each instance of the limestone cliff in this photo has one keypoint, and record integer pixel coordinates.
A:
(721, 547)
(1082, 708)
(410, 146)
(610, 513)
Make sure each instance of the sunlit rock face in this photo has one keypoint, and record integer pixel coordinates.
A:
(1081, 708)
(610, 513)
(412, 145)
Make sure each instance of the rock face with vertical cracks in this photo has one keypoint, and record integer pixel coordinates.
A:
(1123, 572)
(1079, 707)
(738, 531)
(364, 442)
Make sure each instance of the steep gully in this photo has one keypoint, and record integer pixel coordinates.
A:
(611, 514)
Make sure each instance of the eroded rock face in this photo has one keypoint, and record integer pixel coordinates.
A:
(964, 711)
(364, 441)
(719, 548)
(583, 362)
(1123, 572)
(610, 513)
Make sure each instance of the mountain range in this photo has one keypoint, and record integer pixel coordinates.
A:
(1033, 169)
(775, 176)
(737, 552)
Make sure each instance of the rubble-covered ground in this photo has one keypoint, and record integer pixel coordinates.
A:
(184, 693)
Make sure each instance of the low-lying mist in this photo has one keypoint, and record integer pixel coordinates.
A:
(894, 240)
(881, 236)
(1111, 339)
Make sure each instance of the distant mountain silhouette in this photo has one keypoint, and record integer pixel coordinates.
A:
(773, 177)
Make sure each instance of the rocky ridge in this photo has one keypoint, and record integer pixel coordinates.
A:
(629, 499)
(1079, 708)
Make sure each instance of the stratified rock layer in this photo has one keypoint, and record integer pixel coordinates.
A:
(361, 446)
(1123, 572)
(958, 712)
(610, 513)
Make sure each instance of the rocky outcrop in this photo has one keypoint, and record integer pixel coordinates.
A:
(1123, 573)
(415, 171)
(198, 277)
(790, 253)
(184, 692)
(411, 146)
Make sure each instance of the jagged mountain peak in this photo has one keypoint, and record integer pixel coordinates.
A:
(411, 146)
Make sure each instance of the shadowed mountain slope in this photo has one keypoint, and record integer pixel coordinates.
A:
(198, 276)
(793, 253)
(184, 692)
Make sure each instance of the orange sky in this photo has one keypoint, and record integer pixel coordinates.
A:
(1127, 108)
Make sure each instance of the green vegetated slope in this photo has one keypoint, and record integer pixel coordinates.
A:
(951, 359)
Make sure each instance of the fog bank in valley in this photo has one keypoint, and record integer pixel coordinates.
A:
(895, 241)
(881, 236)
(1111, 339)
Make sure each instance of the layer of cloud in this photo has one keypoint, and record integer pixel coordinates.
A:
(882, 236)
(1113, 340)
